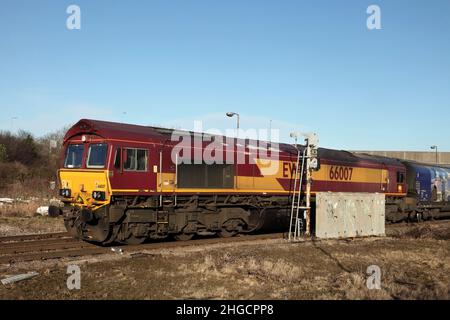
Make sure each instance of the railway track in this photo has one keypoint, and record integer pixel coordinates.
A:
(410, 224)
(45, 250)
(41, 245)
(60, 245)
(31, 237)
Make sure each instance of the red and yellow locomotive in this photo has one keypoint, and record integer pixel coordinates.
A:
(121, 182)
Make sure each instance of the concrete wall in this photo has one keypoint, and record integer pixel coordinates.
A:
(420, 156)
(346, 214)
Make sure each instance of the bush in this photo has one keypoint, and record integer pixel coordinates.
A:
(20, 148)
(28, 165)
(3, 154)
(12, 172)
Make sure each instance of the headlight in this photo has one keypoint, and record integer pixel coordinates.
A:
(99, 195)
(66, 193)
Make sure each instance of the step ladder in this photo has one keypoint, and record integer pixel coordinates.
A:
(296, 225)
(300, 221)
(162, 221)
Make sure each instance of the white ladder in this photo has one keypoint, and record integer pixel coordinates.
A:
(296, 221)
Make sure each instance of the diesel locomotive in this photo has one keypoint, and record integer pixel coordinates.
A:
(122, 182)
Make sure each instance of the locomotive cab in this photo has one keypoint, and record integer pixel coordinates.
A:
(84, 175)
(85, 187)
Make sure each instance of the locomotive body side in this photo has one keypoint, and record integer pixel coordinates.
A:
(122, 183)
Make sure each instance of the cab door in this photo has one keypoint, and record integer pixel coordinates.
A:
(384, 183)
(133, 170)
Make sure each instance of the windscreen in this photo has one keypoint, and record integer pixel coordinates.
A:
(74, 156)
(97, 155)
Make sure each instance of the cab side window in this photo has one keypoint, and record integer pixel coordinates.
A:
(135, 159)
(400, 177)
(118, 158)
(141, 160)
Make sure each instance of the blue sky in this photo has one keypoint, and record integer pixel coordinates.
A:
(306, 65)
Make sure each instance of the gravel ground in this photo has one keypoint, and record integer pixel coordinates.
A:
(414, 262)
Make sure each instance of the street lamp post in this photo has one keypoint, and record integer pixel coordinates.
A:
(232, 114)
(435, 148)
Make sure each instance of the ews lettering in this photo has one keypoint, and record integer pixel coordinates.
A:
(288, 169)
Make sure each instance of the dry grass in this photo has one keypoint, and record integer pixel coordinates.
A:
(27, 198)
(412, 268)
(11, 226)
(437, 229)
(427, 232)
(29, 188)
(21, 209)
(21, 218)
(248, 273)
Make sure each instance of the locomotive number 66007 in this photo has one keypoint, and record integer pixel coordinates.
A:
(341, 173)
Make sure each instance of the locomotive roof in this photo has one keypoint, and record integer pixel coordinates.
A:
(114, 130)
(351, 157)
(380, 159)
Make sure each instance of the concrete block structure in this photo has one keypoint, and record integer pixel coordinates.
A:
(419, 156)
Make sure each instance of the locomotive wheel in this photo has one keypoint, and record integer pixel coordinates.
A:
(230, 228)
(184, 236)
(224, 233)
(98, 232)
(72, 230)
